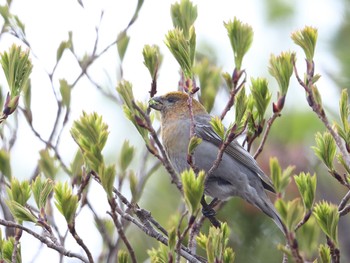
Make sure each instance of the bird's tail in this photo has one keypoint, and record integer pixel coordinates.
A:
(268, 208)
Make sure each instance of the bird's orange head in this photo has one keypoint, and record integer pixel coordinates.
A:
(174, 105)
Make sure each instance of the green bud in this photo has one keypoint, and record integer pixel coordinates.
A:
(218, 126)
(122, 44)
(327, 217)
(193, 189)
(41, 191)
(5, 164)
(308, 237)
(281, 68)
(7, 247)
(66, 202)
(325, 253)
(280, 179)
(182, 48)
(152, 59)
(17, 68)
(291, 212)
(183, 15)
(172, 239)
(126, 155)
(91, 133)
(261, 95)
(193, 144)
(124, 89)
(306, 39)
(325, 149)
(133, 183)
(19, 191)
(241, 38)
(241, 103)
(229, 255)
(307, 188)
(123, 256)
(228, 80)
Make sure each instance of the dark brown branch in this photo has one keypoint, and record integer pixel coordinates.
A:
(304, 220)
(334, 251)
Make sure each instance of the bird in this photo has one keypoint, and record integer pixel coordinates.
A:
(237, 175)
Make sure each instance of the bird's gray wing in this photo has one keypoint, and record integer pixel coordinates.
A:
(204, 130)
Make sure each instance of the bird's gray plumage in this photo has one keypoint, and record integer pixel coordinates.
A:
(238, 174)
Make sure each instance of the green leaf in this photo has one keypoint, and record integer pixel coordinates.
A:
(261, 95)
(344, 110)
(281, 68)
(126, 155)
(19, 191)
(306, 39)
(193, 144)
(66, 44)
(152, 59)
(193, 189)
(327, 217)
(183, 15)
(218, 127)
(41, 190)
(65, 90)
(325, 149)
(19, 212)
(122, 44)
(66, 202)
(47, 164)
(5, 164)
(307, 188)
(241, 38)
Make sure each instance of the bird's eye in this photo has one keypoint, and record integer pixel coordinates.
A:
(172, 99)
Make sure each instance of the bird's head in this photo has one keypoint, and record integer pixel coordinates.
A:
(174, 105)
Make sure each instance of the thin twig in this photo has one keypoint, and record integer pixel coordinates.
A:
(165, 160)
(266, 133)
(60, 249)
(322, 115)
(71, 228)
(118, 225)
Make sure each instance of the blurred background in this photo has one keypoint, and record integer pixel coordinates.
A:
(47, 23)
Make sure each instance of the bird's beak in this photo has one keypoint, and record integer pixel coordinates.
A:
(156, 103)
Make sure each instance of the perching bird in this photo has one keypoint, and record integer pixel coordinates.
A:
(238, 174)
